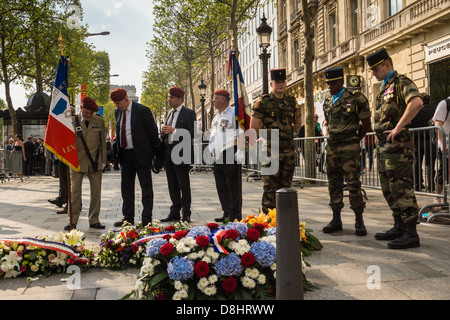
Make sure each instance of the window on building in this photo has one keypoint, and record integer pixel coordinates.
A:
(296, 54)
(283, 10)
(332, 27)
(354, 18)
(394, 6)
(283, 58)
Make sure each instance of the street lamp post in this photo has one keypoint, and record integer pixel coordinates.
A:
(202, 88)
(103, 33)
(264, 31)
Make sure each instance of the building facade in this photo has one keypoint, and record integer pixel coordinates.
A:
(415, 33)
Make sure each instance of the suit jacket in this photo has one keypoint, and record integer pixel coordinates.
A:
(144, 132)
(95, 137)
(186, 120)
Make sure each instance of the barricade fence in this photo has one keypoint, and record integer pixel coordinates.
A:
(11, 164)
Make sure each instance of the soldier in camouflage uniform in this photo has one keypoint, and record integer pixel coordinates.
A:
(398, 102)
(280, 111)
(347, 118)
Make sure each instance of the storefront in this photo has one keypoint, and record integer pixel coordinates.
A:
(437, 58)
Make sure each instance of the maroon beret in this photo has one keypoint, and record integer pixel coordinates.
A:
(176, 92)
(118, 94)
(89, 103)
(222, 92)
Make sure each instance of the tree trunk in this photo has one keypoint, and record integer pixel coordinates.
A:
(308, 92)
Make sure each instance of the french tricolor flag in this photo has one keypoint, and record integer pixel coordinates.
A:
(60, 134)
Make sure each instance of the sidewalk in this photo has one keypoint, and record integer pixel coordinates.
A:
(343, 269)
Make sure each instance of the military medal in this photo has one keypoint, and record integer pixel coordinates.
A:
(224, 124)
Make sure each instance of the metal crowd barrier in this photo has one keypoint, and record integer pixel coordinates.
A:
(425, 168)
(10, 165)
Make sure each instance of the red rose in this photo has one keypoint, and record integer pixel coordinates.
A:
(202, 241)
(167, 249)
(167, 237)
(160, 296)
(212, 226)
(229, 285)
(253, 234)
(248, 259)
(231, 234)
(201, 269)
(132, 234)
(170, 228)
(259, 226)
(180, 234)
(134, 248)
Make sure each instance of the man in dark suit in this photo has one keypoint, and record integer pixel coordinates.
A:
(177, 160)
(137, 137)
(30, 148)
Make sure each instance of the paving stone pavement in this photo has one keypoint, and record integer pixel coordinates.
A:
(347, 268)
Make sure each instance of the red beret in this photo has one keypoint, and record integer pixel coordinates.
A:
(118, 94)
(176, 92)
(222, 92)
(89, 103)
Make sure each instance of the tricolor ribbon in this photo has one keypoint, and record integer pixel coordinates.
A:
(50, 245)
(151, 237)
(215, 239)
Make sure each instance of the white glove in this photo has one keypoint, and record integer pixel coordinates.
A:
(239, 156)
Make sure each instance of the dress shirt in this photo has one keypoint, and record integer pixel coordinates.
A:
(127, 126)
(174, 122)
(223, 131)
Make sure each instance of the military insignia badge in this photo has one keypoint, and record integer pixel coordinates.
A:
(224, 124)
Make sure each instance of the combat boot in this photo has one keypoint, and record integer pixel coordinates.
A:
(335, 224)
(409, 239)
(360, 228)
(393, 233)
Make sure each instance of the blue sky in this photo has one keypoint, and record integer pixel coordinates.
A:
(130, 23)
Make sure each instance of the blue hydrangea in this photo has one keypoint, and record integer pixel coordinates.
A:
(229, 266)
(272, 231)
(199, 231)
(154, 245)
(265, 253)
(180, 268)
(239, 227)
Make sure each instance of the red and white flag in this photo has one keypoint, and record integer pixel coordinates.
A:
(60, 134)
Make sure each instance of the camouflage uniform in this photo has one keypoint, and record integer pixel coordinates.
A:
(343, 148)
(278, 114)
(395, 159)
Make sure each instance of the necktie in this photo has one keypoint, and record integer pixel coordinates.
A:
(86, 123)
(167, 140)
(123, 135)
(171, 117)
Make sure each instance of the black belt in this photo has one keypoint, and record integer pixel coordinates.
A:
(126, 150)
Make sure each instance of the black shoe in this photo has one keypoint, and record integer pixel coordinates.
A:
(170, 218)
(146, 221)
(56, 202)
(74, 226)
(409, 239)
(360, 228)
(394, 232)
(63, 211)
(219, 219)
(335, 224)
(121, 222)
(186, 219)
(97, 225)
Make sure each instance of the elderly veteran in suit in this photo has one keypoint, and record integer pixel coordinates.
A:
(176, 162)
(91, 147)
(137, 137)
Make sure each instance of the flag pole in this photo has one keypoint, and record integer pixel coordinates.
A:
(69, 193)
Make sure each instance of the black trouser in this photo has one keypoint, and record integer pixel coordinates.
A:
(179, 186)
(227, 184)
(129, 168)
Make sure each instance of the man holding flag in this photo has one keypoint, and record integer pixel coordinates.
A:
(60, 133)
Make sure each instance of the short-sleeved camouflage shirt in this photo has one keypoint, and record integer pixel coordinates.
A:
(342, 118)
(279, 114)
(391, 105)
